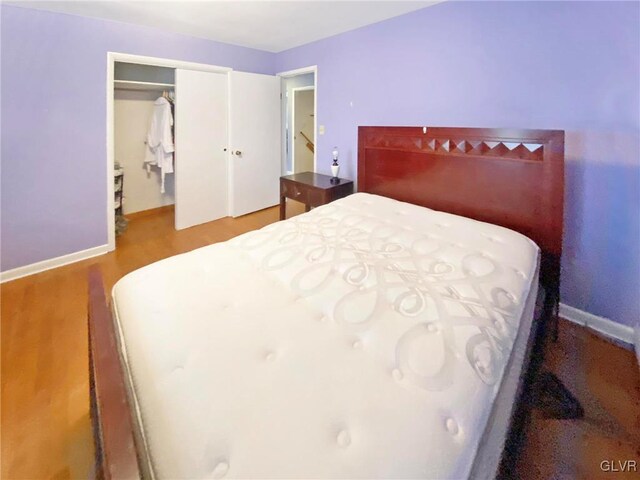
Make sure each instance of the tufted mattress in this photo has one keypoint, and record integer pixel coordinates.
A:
(368, 338)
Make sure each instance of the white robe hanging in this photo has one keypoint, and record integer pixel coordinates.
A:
(160, 146)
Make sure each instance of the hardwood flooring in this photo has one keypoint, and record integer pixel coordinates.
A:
(606, 379)
(46, 432)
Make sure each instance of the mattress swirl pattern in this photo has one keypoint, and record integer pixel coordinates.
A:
(386, 328)
(391, 267)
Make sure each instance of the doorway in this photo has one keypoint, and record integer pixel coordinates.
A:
(134, 66)
(299, 123)
(302, 131)
(139, 189)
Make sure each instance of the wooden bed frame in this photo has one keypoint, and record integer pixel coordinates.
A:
(512, 178)
(114, 438)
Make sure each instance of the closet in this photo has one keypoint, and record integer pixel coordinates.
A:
(226, 139)
(138, 187)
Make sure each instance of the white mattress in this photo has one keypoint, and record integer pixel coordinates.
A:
(367, 338)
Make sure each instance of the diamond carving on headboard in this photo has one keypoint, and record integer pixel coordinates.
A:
(443, 145)
(461, 146)
(523, 151)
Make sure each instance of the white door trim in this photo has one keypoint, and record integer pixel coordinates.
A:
(113, 57)
(301, 71)
(298, 71)
(293, 122)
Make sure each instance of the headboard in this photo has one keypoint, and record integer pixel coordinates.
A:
(512, 178)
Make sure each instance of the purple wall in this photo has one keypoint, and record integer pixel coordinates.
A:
(572, 66)
(54, 70)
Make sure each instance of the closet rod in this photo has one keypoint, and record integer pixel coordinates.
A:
(133, 85)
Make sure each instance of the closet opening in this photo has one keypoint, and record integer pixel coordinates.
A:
(299, 124)
(226, 138)
(144, 140)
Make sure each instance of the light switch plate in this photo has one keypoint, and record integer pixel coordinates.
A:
(321, 130)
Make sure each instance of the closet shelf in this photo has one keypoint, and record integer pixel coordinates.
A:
(133, 85)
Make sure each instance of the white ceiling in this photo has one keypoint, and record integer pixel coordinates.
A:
(266, 25)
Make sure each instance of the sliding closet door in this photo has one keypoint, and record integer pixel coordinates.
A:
(201, 131)
(254, 138)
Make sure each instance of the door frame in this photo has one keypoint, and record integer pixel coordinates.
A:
(293, 122)
(294, 73)
(112, 58)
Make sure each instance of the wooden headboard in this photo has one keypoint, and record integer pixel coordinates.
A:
(512, 178)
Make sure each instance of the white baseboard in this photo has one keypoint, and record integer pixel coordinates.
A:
(607, 327)
(38, 267)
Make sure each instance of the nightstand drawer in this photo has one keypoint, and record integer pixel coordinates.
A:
(295, 191)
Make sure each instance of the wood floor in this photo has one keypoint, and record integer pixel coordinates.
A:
(45, 427)
(606, 380)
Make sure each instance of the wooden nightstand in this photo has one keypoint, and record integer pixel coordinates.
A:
(312, 189)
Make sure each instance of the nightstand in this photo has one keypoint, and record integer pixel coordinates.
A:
(312, 189)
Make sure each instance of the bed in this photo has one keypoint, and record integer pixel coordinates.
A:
(385, 335)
